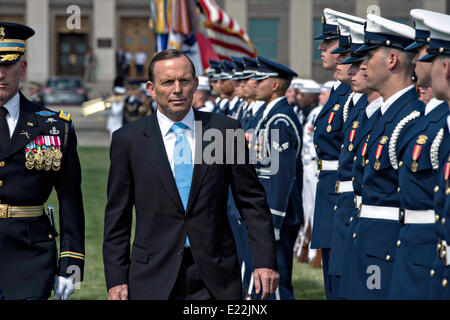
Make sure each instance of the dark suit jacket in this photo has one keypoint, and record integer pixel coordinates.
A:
(140, 175)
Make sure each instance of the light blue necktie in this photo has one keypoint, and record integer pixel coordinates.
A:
(182, 160)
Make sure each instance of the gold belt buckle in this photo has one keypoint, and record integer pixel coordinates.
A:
(337, 187)
(4, 212)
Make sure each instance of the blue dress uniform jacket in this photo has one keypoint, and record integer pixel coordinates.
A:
(345, 203)
(27, 244)
(374, 240)
(442, 210)
(360, 143)
(416, 247)
(283, 186)
(328, 148)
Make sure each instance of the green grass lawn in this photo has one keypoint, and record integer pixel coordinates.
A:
(307, 282)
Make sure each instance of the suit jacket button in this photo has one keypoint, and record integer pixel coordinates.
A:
(2, 164)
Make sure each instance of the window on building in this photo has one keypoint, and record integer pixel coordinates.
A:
(264, 35)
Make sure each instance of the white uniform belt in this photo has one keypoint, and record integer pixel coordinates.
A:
(379, 212)
(327, 164)
(358, 201)
(344, 186)
(419, 216)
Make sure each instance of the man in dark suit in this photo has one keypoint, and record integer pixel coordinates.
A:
(183, 246)
(37, 153)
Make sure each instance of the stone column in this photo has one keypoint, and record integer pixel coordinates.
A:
(37, 53)
(237, 9)
(435, 5)
(104, 39)
(301, 37)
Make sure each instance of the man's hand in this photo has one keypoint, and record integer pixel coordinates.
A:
(119, 292)
(63, 287)
(268, 279)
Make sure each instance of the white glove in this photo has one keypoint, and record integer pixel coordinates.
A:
(64, 287)
(277, 233)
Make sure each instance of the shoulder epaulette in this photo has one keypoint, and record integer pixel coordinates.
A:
(64, 115)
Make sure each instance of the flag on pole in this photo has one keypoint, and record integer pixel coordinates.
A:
(226, 35)
(200, 28)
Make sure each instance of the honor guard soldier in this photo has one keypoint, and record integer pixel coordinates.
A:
(354, 106)
(255, 107)
(277, 144)
(212, 73)
(438, 54)
(241, 77)
(226, 85)
(416, 244)
(133, 104)
(38, 153)
(327, 141)
(309, 92)
(388, 68)
(358, 125)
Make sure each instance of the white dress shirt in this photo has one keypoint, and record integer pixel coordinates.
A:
(373, 106)
(169, 137)
(271, 105)
(393, 98)
(13, 107)
(431, 105)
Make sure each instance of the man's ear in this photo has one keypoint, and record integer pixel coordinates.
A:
(446, 65)
(392, 59)
(150, 89)
(276, 85)
(23, 67)
(195, 83)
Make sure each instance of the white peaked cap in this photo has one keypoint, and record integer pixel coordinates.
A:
(310, 86)
(203, 83)
(328, 85)
(377, 24)
(345, 27)
(331, 17)
(439, 27)
(419, 15)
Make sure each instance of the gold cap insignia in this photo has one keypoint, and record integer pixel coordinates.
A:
(2, 33)
(388, 42)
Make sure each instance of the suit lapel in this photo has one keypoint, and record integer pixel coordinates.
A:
(200, 168)
(26, 129)
(159, 161)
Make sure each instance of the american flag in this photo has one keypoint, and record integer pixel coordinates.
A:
(217, 35)
(226, 35)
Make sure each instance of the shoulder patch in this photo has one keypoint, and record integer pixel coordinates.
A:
(64, 115)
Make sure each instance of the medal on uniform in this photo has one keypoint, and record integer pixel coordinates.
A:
(377, 157)
(351, 138)
(446, 176)
(415, 155)
(330, 120)
(363, 153)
